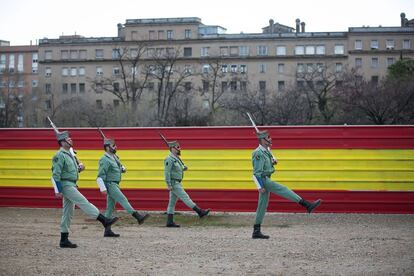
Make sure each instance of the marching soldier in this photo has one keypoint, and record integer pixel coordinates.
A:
(66, 170)
(174, 171)
(263, 168)
(109, 177)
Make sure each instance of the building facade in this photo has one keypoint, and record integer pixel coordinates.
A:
(75, 66)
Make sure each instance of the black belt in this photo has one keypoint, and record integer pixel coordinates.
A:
(178, 180)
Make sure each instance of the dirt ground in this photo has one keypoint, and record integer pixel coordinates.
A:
(299, 244)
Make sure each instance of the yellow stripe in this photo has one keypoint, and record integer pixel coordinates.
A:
(338, 169)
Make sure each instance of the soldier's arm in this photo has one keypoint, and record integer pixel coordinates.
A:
(167, 171)
(102, 173)
(57, 167)
(258, 164)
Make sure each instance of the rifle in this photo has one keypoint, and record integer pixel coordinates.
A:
(274, 160)
(163, 138)
(71, 150)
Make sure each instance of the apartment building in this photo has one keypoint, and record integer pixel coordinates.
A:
(270, 61)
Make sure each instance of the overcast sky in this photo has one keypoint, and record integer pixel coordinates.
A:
(24, 20)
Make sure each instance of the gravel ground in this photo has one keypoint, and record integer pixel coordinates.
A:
(299, 244)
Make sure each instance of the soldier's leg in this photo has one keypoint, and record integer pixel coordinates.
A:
(115, 193)
(171, 203)
(72, 193)
(262, 204)
(178, 190)
(67, 214)
(281, 190)
(110, 206)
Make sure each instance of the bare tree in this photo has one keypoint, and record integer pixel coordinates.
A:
(11, 101)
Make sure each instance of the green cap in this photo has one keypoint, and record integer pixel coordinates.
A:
(108, 141)
(262, 134)
(173, 144)
(62, 135)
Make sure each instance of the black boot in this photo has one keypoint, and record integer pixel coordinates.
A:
(170, 221)
(108, 233)
(257, 234)
(65, 242)
(310, 206)
(106, 221)
(140, 218)
(201, 213)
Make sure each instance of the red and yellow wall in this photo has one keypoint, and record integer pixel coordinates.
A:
(364, 169)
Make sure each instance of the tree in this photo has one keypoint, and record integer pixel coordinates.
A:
(402, 69)
(11, 101)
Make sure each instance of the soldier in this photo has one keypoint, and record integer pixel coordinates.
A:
(263, 166)
(174, 168)
(109, 176)
(66, 170)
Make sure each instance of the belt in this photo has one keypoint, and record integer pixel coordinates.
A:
(69, 180)
(178, 180)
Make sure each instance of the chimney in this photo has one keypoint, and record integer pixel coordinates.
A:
(119, 25)
(402, 15)
(271, 27)
(297, 25)
(303, 26)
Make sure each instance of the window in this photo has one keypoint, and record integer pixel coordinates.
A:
(48, 55)
(2, 63)
(262, 50)
(116, 53)
(299, 50)
(262, 68)
(320, 50)
(243, 68)
(300, 68)
(374, 79)
(116, 87)
(134, 35)
(81, 71)
(99, 104)
(11, 63)
(205, 86)
(358, 44)
(389, 44)
(206, 68)
(339, 49)
(310, 50)
(310, 67)
(374, 44)
(151, 35)
(233, 85)
(20, 83)
(35, 83)
(64, 54)
(170, 34)
(20, 63)
(224, 68)
(81, 88)
(406, 44)
(224, 86)
(358, 62)
(187, 33)
(171, 51)
(48, 88)
(262, 85)
(151, 86)
(338, 67)
(48, 72)
(134, 70)
(133, 52)
(98, 88)
(74, 54)
(187, 69)
(233, 68)
(281, 68)
(224, 51)
(48, 104)
(234, 51)
(374, 62)
(34, 63)
(188, 52)
(64, 88)
(243, 85)
(116, 71)
(73, 71)
(204, 51)
(99, 53)
(187, 86)
(390, 61)
(73, 88)
(281, 85)
(150, 52)
(99, 71)
(281, 50)
(65, 71)
(243, 50)
(320, 67)
(82, 54)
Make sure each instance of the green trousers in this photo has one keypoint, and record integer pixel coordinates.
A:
(177, 192)
(276, 188)
(114, 195)
(71, 197)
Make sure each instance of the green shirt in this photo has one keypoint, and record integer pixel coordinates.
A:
(173, 169)
(64, 166)
(262, 162)
(110, 168)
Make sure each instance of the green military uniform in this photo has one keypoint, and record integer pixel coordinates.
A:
(263, 169)
(110, 170)
(174, 172)
(65, 174)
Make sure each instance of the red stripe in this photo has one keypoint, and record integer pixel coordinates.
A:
(226, 200)
(306, 137)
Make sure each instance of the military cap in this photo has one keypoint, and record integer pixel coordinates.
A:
(173, 144)
(109, 141)
(262, 134)
(62, 135)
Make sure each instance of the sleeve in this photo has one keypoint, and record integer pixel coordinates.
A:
(57, 166)
(167, 170)
(103, 169)
(258, 164)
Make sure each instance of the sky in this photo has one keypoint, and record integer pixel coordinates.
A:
(25, 21)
